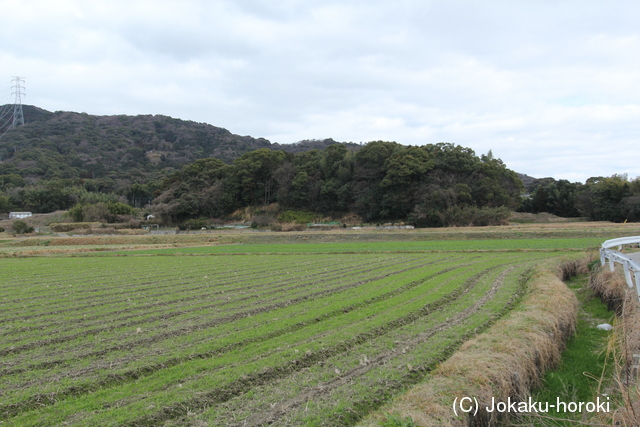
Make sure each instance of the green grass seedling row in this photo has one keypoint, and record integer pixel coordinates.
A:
(292, 314)
(256, 292)
(155, 277)
(181, 290)
(173, 281)
(408, 246)
(285, 317)
(379, 320)
(194, 319)
(380, 366)
(262, 351)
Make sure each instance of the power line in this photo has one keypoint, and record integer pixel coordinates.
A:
(14, 113)
(6, 106)
(4, 110)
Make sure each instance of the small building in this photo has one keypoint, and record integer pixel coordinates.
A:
(19, 215)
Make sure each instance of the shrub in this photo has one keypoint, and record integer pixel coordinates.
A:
(193, 224)
(264, 219)
(63, 227)
(119, 208)
(299, 217)
(101, 212)
(460, 216)
(75, 213)
(21, 227)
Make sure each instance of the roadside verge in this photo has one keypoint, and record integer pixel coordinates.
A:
(624, 345)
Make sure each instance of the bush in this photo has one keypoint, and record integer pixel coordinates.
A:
(291, 226)
(264, 219)
(63, 227)
(460, 216)
(119, 208)
(21, 227)
(75, 213)
(193, 224)
(101, 212)
(299, 217)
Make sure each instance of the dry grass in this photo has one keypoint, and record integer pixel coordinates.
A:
(504, 362)
(37, 220)
(572, 268)
(111, 231)
(623, 344)
(541, 217)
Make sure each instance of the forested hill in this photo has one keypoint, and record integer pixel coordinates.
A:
(432, 185)
(59, 160)
(135, 148)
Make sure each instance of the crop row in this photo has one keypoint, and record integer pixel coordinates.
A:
(369, 373)
(142, 343)
(264, 330)
(525, 243)
(184, 294)
(214, 300)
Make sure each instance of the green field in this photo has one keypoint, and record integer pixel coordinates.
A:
(578, 244)
(295, 334)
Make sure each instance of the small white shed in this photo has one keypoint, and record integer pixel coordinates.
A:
(19, 215)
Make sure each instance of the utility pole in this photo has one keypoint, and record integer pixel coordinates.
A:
(17, 86)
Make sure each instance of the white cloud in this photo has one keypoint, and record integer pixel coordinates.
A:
(551, 87)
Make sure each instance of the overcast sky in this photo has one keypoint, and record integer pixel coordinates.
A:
(552, 87)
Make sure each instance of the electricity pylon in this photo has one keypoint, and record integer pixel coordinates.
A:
(18, 116)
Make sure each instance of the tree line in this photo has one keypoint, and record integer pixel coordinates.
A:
(614, 198)
(429, 186)
(432, 185)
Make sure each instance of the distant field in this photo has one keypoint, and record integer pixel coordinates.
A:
(288, 339)
(408, 246)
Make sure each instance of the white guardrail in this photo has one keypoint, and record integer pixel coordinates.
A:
(628, 262)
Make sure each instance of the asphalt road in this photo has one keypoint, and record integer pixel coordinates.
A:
(635, 256)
